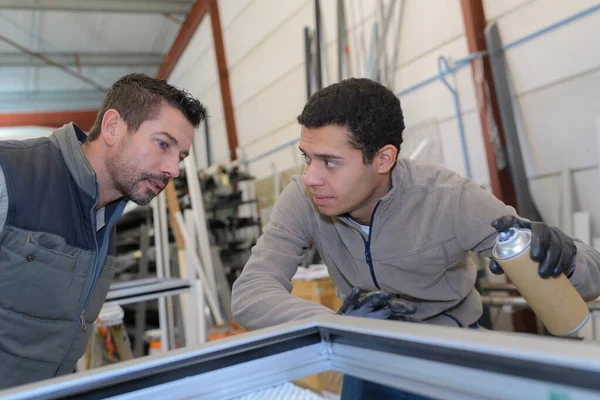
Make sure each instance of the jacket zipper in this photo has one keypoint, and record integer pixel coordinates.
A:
(82, 324)
(368, 247)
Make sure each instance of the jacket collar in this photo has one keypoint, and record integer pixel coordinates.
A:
(397, 183)
(69, 139)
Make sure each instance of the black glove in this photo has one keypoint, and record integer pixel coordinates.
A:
(377, 304)
(554, 250)
(400, 308)
(366, 304)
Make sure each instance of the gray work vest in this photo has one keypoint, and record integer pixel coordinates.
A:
(55, 267)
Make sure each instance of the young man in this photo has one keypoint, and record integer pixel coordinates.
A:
(385, 224)
(60, 197)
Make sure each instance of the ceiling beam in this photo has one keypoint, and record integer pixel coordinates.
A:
(117, 6)
(215, 20)
(11, 102)
(67, 70)
(186, 32)
(82, 118)
(83, 59)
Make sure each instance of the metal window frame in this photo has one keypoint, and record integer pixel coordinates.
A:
(145, 289)
(434, 361)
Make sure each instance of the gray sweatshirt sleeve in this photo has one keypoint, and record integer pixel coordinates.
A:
(477, 208)
(3, 200)
(261, 296)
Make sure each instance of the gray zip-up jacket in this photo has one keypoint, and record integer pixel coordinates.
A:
(420, 234)
(55, 270)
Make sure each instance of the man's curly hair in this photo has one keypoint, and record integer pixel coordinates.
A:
(370, 111)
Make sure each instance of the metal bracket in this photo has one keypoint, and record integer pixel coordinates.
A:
(327, 343)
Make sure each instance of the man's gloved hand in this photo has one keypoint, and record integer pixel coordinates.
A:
(366, 304)
(400, 308)
(377, 304)
(554, 250)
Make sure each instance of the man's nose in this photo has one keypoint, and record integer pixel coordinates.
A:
(171, 167)
(313, 177)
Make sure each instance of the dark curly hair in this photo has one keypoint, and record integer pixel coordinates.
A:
(138, 97)
(369, 110)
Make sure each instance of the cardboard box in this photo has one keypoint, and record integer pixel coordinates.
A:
(320, 291)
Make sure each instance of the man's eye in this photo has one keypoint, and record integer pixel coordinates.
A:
(306, 159)
(162, 144)
(330, 164)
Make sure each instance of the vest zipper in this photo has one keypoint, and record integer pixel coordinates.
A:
(82, 324)
(82, 319)
(368, 255)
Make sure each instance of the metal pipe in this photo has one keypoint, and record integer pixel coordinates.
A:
(191, 302)
(392, 81)
(381, 40)
(465, 61)
(442, 68)
(166, 253)
(371, 62)
(199, 214)
(358, 50)
(200, 319)
(211, 296)
(162, 307)
(207, 142)
(140, 312)
(553, 26)
(346, 49)
(319, 74)
(308, 62)
(341, 34)
(271, 151)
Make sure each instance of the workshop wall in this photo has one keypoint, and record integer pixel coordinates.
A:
(555, 77)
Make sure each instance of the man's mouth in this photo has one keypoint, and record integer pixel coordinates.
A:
(321, 200)
(156, 184)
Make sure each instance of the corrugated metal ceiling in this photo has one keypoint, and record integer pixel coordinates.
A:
(116, 38)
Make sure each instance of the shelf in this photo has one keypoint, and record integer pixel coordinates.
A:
(231, 204)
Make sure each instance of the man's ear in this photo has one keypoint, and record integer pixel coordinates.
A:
(385, 159)
(110, 124)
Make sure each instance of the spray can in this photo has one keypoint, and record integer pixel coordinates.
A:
(554, 300)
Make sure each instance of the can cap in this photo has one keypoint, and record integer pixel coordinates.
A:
(511, 243)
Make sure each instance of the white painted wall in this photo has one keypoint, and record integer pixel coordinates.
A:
(556, 79)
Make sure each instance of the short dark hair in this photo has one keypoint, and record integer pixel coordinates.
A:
(138, 98)
(370, 111)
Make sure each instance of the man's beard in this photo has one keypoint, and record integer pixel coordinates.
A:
(127, 180)
(130, 189)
